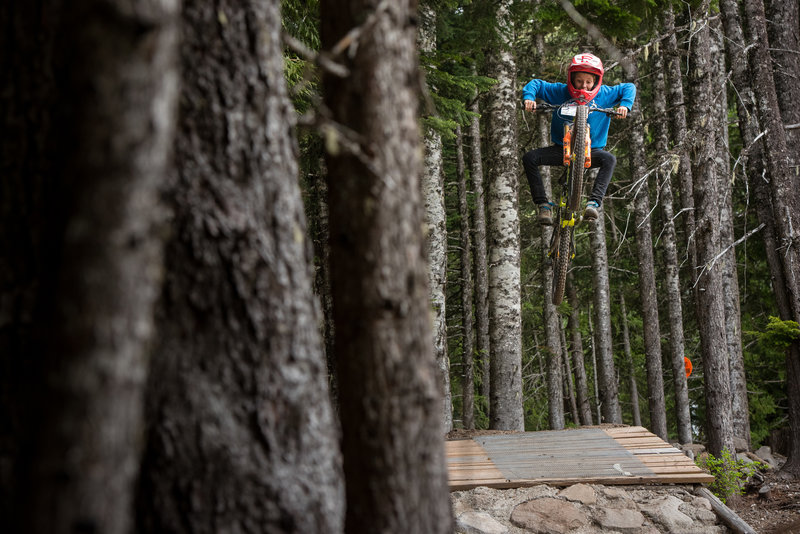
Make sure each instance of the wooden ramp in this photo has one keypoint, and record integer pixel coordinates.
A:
(618, 455)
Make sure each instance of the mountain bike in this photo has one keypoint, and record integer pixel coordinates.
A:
(577, 158)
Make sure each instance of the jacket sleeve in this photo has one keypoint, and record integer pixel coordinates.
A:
(552, 93)
(627, 95)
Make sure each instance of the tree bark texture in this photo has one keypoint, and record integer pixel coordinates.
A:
(436, 225)
(576, 349)
(390, 386)
(607, 374)
(740, 410)
(785, 204)
(505, 322)
(783, 30)
(90, 220)
(28, 101)
(647, 280)
(708, 287)
(467, 293)
(479, 256)
(626, 344)
(678, 127)
(665, 164)
(242, 435)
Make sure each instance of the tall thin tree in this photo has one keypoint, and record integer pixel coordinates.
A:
(505, 322)
(708, 286)
(436, 224)
(390, 388)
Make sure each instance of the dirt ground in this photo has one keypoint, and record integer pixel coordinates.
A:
(779, 513)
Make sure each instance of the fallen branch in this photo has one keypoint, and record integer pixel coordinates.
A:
(728, 516)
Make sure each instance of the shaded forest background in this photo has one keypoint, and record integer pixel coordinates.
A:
(260, 258)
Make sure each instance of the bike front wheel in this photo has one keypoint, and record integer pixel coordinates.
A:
(579, 152)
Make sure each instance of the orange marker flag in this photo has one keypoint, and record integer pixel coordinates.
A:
(687, 363)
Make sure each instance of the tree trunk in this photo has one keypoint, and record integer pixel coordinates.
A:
(436, 224)
(740, 410)
(467, 345)
(319, 230)
(609, 389)
(479, 257)
(708, 287)
(785, 203)
(678, 126)
(647, 279)
(668, 238)
(85, 148)
(566, 372)
(238, 402)
(576, 348)
(28, 102)
(390, 385)
(783, 28)
(505, 324)
(626, 343)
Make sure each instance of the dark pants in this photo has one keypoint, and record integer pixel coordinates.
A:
(553, 156)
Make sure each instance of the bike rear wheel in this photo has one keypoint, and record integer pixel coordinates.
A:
(579, 152)
(563, 254)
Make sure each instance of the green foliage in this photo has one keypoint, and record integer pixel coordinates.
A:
(729, 473)
(778, 333)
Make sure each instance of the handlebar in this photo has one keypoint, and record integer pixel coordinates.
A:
(544, 106)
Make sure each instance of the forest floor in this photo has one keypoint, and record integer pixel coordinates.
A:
(778, 513)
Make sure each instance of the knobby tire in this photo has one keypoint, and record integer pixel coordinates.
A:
(563, 255)
(579, 151)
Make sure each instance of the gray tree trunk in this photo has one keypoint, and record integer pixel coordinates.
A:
(479, 256)
(665, 165)
(609, 388)
(678, 126)
(467, 294)
(505, 326)
(785, 204)
(740, 410)
(576, 348)
(569, 385)
(626, 344)
(647, 281)
(238, 402)
(436, 225)
(708, 287)
(390, 385)
(783, 29)
(82, 167)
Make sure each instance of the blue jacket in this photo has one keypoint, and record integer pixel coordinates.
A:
(556, 93)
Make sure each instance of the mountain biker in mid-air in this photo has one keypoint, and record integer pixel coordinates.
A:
(584, 82)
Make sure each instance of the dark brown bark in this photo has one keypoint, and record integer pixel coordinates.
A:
(606, 370)
(672, 288)
(678, 127)
(708, 288)
(785, 204)
(467, 345)
(783, 30)
(479, 256)
(647, 282)
(389, 383)
(626, 342)
(98, 107)
(242, 436)
(584, 408)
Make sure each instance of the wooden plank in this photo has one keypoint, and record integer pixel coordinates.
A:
(564, 457)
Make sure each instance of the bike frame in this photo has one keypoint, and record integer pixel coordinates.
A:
(577, 157)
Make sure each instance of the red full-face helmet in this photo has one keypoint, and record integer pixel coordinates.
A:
(585, 63)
